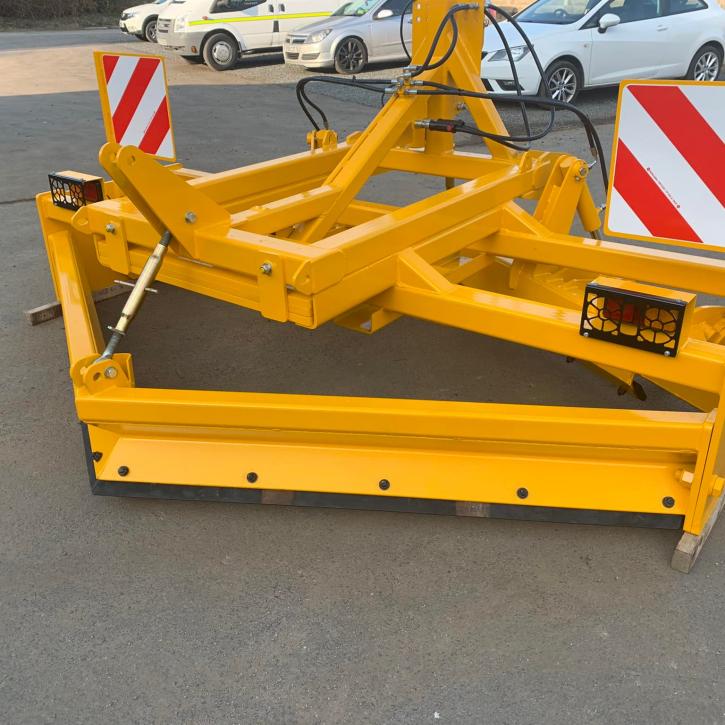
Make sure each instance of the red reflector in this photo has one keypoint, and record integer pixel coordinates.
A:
(92, 192)
(619, 311)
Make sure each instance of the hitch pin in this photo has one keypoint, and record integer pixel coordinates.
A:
(133, 303)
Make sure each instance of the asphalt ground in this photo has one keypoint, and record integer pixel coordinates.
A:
(27, 54)
(120, 611)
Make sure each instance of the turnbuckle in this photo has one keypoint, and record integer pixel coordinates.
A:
(140, 288)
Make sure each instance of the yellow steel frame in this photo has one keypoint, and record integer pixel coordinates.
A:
(292, 239)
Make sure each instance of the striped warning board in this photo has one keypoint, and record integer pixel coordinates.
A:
(668, 160)
(135, 102)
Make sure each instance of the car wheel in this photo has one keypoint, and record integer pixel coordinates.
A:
(351, 56)
(193, 59)
(221, 52)
(563, 79)
(706, 64)
(149, 30)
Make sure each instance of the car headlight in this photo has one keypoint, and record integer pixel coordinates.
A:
(179, 24)
(517, 53)
(126, 14)
(319, 35)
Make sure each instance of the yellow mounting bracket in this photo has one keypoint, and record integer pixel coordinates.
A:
(324, 139)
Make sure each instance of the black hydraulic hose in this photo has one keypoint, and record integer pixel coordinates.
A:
(427, 65)
(407, 7)
(532, 50)
(507, 15)
(441, 89)
(592, 135)
(304, 99)
(512, 64)
(456, 125)
(432, 88)
(447, 18)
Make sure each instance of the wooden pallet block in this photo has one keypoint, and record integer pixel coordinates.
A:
(53, 310)
(690, 546)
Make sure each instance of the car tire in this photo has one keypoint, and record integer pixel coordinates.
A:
(140, 36)
(564, 81)
(149, 30)
(706, 65)
(351, 56)
(193, 59)
(221, 52)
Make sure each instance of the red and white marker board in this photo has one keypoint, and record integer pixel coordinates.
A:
(135, 102)
(668, 163)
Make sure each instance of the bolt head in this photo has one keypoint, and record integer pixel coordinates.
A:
(110, 372)
(110, 228)
(667, 353)
(266, 269)
(252, 477)
(123, 470)
(668, 502)
(384, 484)
(585, 334)
(522, 492)
(190, 217)
(97, 455)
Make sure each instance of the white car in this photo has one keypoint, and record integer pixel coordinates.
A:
(358, 32)
(140, 20)
(587, 43)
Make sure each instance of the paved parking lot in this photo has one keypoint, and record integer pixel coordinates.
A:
(33, 63)
(118, 611)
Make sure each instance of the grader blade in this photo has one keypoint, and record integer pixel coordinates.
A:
(291, 239)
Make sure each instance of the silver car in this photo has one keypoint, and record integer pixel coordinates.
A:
(358, 32)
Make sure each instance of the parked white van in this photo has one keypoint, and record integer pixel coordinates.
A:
(218, 31)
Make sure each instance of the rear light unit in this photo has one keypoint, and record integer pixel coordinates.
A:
(72, 190)
(635, 315)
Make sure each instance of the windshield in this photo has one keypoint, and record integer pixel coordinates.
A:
(556, 12)
(355, 8)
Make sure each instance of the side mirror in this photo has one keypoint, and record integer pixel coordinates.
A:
(609, 20)
(384, 13)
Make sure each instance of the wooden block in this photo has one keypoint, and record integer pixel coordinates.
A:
(690, 545)
(53, 310)
(471, 508)
(107, 293)
(44, 313)
(280, 498)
